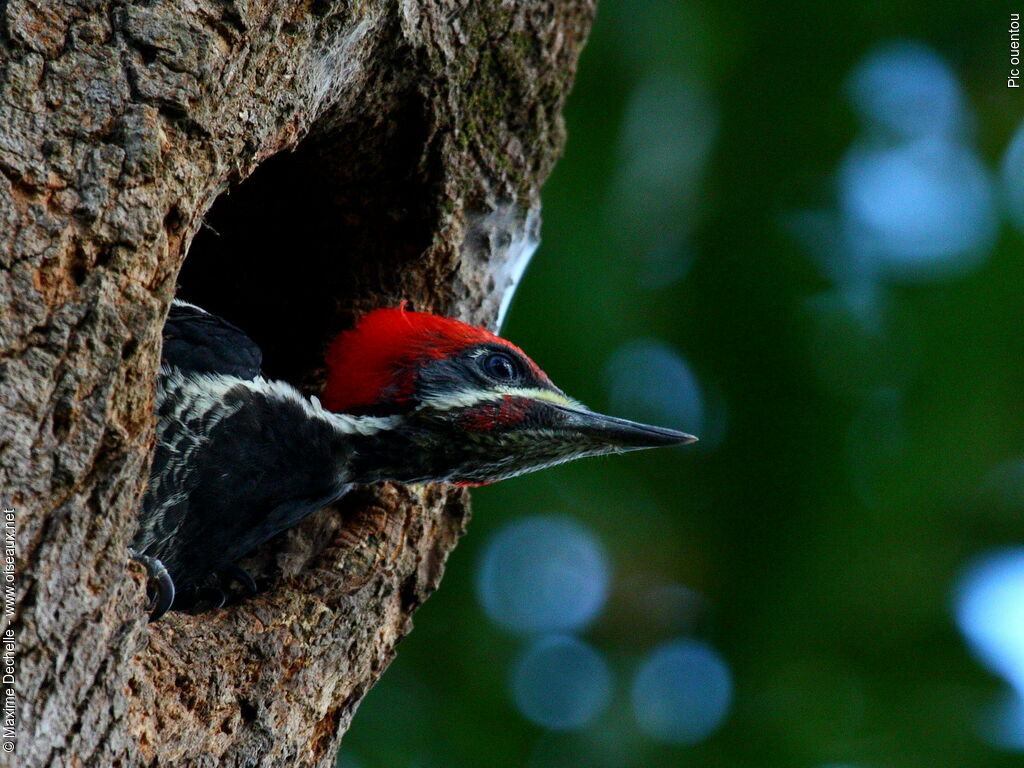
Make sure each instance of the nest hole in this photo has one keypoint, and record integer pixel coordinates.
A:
(337, 225)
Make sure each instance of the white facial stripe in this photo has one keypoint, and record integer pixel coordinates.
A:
(180, 303)
(469, 398)
(201, 393)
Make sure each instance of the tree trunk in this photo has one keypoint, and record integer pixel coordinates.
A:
(374, 151)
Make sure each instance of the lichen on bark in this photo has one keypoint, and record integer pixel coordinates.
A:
(312, 159)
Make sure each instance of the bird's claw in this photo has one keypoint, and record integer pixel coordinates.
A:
(235, 572)
(214, 597)
(162, 598)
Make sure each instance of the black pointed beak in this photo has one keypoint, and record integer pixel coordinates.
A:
(620, 434)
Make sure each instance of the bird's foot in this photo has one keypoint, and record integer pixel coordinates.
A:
(162, 598)
(209, 599)
(214, 590)
(235, 573)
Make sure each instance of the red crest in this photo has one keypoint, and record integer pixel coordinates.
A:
(377, 360)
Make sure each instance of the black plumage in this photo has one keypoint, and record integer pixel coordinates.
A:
(197, 342)
(237, 458)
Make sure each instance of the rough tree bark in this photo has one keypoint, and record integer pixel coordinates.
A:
(374, 150)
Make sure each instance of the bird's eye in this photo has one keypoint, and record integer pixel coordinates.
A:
(500, 367)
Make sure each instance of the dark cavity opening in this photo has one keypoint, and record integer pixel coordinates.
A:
(315, 234)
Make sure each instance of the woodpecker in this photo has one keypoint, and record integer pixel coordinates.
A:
(410, 397)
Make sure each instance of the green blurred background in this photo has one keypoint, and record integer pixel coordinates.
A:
(793, 229)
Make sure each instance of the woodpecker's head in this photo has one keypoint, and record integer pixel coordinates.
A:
(467, 406)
